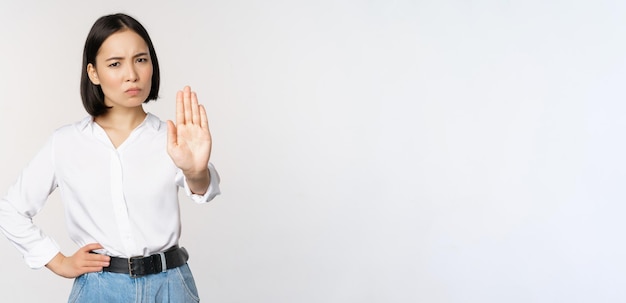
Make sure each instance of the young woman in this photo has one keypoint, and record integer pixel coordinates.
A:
(118, 172)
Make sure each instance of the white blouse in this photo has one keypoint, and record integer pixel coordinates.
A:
(126, 199)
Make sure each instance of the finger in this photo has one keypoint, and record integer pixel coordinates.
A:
(172, 136)
(91, 267)
(195, 114)
(204, 121)
(90, 247)
(187, 104)
(96, 258)
(95, 264)
(180, 110)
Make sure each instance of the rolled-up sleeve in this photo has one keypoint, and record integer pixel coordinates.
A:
(212, 191)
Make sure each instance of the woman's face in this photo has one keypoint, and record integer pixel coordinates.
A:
(123, 70)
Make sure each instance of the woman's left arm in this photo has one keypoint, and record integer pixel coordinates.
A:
(189, 141)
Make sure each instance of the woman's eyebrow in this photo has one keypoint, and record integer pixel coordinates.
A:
(135, 56)
(140, 54)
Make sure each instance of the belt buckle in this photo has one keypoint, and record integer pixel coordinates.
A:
(131, 272)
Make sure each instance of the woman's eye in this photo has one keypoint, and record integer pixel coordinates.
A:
(142, 59)
(114, 64)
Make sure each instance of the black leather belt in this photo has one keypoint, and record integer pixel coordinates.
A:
(153, 264)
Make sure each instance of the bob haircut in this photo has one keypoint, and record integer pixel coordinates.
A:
(92, 95)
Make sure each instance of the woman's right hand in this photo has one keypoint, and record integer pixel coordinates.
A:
(79, 263)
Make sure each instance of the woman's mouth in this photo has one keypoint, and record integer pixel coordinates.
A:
(133, 91)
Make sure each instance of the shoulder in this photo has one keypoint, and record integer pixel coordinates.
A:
(65, 134)
(73, 128)
(154, 122)
(73, 133)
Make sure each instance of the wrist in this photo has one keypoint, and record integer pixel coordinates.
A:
(196, 175)
(56, 263)
(198, 182)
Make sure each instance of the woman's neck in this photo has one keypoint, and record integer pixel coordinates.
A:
(125, 119)
(119, 124)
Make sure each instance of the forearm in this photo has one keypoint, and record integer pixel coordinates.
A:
(36, 248)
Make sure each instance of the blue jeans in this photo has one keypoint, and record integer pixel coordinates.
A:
(174, 285)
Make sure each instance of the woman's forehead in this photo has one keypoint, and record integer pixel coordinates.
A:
(125, 42)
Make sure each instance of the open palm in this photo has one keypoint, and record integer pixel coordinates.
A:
(189, 140)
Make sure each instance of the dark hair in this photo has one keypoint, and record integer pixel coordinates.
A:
(92, 95)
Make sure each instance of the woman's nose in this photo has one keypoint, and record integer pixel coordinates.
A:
(131, 74)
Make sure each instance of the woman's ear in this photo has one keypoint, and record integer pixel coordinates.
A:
(93, 74)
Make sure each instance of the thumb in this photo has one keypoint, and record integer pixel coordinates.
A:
(172, 136)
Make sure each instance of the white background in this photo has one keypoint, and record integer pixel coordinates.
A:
(370, 151)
